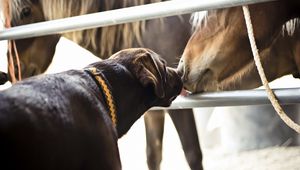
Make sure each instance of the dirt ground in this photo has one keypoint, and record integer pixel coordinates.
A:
(273, 158)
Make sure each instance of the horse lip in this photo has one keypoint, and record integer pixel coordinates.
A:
(191, 87)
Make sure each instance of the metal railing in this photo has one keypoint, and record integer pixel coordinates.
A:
(235, 98)
(119, 16)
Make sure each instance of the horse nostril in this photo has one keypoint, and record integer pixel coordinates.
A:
(206, 71)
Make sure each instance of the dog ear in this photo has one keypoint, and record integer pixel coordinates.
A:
(151, 71)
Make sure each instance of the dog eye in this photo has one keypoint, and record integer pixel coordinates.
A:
(26, 12)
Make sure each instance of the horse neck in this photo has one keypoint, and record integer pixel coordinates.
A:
(281, 58)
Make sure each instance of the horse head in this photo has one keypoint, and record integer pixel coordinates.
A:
(218, 55)
(35, 53)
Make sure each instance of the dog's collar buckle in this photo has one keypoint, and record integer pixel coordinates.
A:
(106, 91)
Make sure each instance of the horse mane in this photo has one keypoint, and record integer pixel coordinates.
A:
(290, 27)
(111, 38)
(199, 20)
(56, 9)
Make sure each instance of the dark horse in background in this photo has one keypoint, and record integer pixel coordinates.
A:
(166, 36)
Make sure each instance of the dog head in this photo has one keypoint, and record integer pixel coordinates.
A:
(140, 80)
(151, 72)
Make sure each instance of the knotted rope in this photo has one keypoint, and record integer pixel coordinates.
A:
(262, 75)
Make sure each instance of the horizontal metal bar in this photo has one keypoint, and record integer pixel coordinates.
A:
(235, 98)
(119, 16)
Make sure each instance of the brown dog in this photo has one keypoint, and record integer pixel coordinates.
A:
(72, 120)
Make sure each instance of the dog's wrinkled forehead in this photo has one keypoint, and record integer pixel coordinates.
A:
(133, 53)
(130, 52)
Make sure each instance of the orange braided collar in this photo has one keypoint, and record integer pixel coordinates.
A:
(107, 93)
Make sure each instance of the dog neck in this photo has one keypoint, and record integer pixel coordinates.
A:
(108, 97)
(130, 96)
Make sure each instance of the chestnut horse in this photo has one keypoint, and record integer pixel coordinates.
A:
(218, 57)
(218, 54)
(166, 36)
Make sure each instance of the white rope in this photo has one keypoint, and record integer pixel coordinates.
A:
(262, 75)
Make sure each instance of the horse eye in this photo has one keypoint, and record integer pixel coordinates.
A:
(25, 12)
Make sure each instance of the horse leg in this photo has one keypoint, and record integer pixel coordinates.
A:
(184, 122)
(154, 124)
